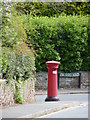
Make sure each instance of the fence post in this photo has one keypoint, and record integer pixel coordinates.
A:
(79, 81)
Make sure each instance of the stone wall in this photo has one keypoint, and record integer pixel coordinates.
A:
(7, 93)
(85, 79)
(68, 82)
(73, 82)
(65, 82)
(28, 92)
(41, 80)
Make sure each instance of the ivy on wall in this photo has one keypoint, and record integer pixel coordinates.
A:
(17, 60)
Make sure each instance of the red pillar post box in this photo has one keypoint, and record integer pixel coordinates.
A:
(52, 92)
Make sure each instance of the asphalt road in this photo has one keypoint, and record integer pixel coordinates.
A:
(74, 112)
(65, 97)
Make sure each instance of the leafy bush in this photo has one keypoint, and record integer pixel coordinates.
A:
(55, 37)
(53, 8)
(18, 63)
(17, 60)
(12, 30)
(18, 67)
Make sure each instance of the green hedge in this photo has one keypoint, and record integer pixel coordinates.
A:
(55, 37)
(53, 8)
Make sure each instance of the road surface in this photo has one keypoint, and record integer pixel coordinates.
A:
(65, 97)
(74, 112)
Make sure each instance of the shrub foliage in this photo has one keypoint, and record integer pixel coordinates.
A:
(55, 37)
(18, 62)
(53, 8)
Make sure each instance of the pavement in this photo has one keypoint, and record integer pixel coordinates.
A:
(66, 91)
(68, 98)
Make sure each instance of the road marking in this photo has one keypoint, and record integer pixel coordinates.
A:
(66, 109)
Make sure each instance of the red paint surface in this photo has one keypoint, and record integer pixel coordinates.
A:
(52, 78)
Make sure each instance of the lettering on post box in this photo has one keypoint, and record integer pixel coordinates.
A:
(54, 72)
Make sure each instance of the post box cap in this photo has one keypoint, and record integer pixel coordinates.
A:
(52, 62)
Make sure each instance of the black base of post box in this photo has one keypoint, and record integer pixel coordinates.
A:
(51, 99)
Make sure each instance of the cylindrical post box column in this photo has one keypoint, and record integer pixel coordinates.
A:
(52, 92)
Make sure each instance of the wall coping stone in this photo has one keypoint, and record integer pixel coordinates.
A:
(2, 81)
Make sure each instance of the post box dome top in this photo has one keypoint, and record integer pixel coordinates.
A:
(52, 62)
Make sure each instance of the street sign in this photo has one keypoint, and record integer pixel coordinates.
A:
(69, 74)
